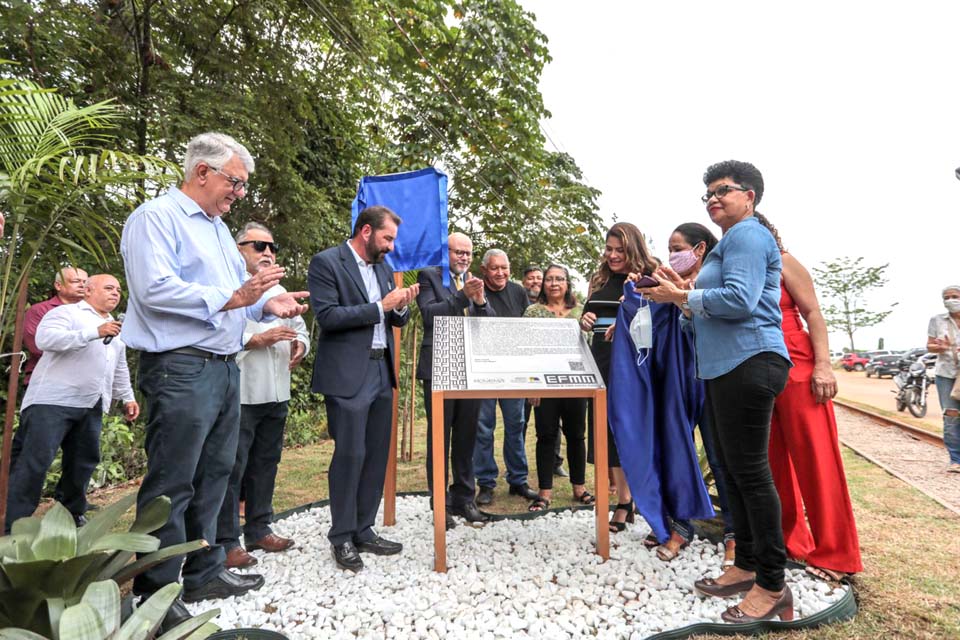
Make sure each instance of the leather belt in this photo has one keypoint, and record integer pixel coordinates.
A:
(377, 354)
(206, 355)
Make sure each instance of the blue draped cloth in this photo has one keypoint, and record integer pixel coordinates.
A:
(654, 404)
(420, 199)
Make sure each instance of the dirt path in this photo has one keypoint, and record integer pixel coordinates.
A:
(858, 388)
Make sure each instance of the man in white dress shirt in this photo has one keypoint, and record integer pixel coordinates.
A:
(79, 374)
(271, 351)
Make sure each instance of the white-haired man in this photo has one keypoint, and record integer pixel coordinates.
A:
(190, 297)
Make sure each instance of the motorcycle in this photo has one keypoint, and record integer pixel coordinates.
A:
(912, 383)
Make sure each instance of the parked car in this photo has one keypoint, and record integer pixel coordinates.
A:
(854, 362)
(929, 359)
(883, 366)
(880, 352)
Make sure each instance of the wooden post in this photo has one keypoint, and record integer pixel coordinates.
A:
(11, 399)
(412, 416)
(390, 481)
(600, 472)
(439, 485)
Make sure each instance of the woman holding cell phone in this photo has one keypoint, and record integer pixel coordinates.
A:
(625, 251)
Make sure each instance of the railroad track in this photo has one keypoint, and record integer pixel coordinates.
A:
(909, 429)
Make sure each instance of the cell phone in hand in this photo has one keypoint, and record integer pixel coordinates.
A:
(646, 281)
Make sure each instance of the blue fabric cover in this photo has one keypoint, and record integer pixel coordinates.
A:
(654, 407)
(420, 199)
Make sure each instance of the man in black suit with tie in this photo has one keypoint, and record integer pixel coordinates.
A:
(464, 296)
(356, 304)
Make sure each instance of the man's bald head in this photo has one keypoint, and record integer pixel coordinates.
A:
(70, 284)
(461, 252)
(103, 292)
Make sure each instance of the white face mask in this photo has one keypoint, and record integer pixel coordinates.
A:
(641, 331)
(952, 305)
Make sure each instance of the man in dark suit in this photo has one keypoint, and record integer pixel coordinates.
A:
(356, 304)
(464, 296)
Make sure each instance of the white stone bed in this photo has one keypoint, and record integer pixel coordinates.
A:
(535, 578)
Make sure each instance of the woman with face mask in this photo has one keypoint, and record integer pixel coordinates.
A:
(689, 244)
(942, 335)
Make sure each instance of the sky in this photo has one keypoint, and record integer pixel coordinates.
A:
(849, 109)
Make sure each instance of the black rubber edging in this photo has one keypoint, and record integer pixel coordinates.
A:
(843, 610)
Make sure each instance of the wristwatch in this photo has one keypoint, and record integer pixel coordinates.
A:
(684, 301)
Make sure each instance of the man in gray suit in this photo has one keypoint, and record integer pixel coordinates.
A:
(356, 303)
(464, 296)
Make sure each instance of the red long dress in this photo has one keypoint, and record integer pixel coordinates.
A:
(806, 463)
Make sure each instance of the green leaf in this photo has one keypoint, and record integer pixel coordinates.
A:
(191, 628)
(137, 542)
(104, 597)
(147, 617)
(81, 622)
(147, 561)
(19, 634)
(103, 521)
(153, 516)
(57, 538)
(26, 526)
(26, 608)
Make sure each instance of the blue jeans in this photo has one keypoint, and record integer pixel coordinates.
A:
(514, 454)
(44, 428)
(951, 424)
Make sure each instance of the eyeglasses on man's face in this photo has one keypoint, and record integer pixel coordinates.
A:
(462, 253)
(234, 181)
(261, 245)
(721, 191)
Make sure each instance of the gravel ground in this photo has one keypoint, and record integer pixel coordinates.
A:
(537, 578)
(922, 464)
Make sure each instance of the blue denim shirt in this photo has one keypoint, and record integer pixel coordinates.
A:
(182, 267)
(736, 305)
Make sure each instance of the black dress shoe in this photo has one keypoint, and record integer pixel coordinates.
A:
(80, 520)
(176, 614)
(560, 472)
(522, 490)
(451, 523)
(469, 511)
(485, 496)
(224, 585)
(380, 547)
(347, 557)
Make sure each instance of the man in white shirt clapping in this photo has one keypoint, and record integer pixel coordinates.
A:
(271, 351)
(83, 367)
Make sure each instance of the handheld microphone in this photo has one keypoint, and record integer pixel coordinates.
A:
(109, 338)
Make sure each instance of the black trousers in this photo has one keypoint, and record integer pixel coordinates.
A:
(459, 438)
(527, 410)
(360, 428)
(44, 428)
(254, 474)
(570, 415)
(742, 402)
(193, 421)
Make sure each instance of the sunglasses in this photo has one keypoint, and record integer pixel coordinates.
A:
(261, 245)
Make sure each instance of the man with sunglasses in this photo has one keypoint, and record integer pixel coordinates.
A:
(190, 298)
(270, 352)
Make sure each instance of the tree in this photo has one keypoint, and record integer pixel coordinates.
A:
(64, 188)
(845, 283)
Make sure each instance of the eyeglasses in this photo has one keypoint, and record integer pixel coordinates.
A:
(261, 245)
(557, 279)
(237, 183)
(721, 191)
(462, 253)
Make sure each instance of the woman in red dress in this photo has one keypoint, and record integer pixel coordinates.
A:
(804, 451)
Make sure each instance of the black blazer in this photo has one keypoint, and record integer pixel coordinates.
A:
(434, 300)
(346, 319)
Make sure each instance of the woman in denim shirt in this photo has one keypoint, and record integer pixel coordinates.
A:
(740, 350)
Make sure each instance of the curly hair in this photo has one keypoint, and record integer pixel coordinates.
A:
(763, 220)
(569, 300)
(635, 251)
(743, 173)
